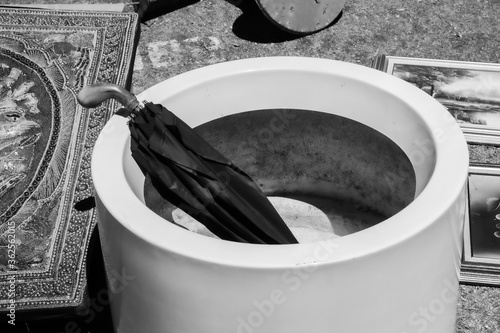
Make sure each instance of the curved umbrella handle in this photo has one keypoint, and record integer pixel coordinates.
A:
(93, 95)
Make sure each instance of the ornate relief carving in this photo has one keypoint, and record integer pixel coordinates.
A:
(46, 142)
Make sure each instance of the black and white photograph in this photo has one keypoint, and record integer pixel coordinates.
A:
(470, 91)
(481, 259)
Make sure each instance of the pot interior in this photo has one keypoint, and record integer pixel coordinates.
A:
(327, 175)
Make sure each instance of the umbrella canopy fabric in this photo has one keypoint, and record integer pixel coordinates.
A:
(191, 174)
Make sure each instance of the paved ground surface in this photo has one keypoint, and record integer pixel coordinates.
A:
(204, 32)
(213, 31)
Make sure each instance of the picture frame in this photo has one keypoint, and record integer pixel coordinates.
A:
(481, 252)
(470, 91)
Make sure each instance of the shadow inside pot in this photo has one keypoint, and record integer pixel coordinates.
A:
(326, 175)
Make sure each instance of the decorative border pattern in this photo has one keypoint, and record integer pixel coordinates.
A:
(60, 281)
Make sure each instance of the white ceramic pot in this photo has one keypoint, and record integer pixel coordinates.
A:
(400, 275)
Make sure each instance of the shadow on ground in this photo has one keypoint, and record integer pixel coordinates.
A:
(254, 26)
(149, 10)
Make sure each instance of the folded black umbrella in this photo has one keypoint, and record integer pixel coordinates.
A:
(191, 174)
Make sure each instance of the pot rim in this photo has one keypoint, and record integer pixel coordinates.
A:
(444, 186)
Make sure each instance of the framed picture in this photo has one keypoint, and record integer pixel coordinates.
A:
(469, 90)
(481, 256)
